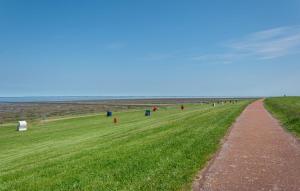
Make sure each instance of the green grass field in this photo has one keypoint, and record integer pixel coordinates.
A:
(287, 110)
(161, 152)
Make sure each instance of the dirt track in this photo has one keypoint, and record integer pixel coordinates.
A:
(257, 155)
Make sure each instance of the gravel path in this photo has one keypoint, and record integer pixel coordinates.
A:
(257, 155)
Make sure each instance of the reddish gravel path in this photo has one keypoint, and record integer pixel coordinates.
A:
(257, 155)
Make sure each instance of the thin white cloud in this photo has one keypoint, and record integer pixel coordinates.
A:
(115, 46)
(268, 44)
(159, 56)
(216, 58)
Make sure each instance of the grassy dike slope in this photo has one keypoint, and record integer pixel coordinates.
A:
(287, 110)
(161, 152)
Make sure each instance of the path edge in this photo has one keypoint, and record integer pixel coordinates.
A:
(201, 175)
(272, 115)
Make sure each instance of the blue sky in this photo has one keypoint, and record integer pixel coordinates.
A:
(149, 48)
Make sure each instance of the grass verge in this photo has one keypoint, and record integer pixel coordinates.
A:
(287, 110)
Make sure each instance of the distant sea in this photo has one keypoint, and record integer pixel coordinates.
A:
(78, 98)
